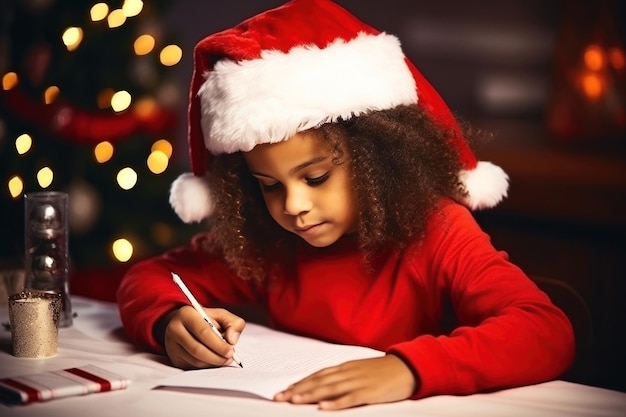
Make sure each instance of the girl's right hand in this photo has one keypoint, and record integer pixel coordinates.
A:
(190, 343)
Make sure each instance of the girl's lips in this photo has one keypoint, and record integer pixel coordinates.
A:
(303, 228)
(307, 229)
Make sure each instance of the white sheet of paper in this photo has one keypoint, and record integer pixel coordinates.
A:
(272, 360)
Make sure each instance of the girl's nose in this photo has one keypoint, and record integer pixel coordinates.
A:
(297, 201)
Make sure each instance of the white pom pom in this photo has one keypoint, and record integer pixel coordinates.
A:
(191, 198)
(487, 185)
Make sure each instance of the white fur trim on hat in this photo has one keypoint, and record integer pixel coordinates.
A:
(269, 99)
(191, 198)
(487, 184)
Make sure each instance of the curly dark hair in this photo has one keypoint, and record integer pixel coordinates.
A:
(400, 163)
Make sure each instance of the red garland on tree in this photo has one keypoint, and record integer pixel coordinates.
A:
(73, 124)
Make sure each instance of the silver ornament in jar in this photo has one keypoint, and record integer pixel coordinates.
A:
(45, 271)
(46, 231)
(45, 221)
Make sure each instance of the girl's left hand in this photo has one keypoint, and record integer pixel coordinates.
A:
(354, 383)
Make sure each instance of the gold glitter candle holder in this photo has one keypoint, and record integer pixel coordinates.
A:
(34, 320)
(46, 235)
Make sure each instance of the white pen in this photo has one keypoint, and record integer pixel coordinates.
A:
(200, 310)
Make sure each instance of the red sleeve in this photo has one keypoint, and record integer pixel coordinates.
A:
(509, 333)
(147, 290)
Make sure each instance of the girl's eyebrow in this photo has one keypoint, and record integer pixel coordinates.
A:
(306, 164)
(296, 168)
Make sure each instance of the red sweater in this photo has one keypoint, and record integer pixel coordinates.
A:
(508, 333)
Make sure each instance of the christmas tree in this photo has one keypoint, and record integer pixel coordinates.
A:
(88, 106)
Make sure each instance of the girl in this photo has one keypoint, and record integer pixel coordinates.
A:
(338, 185)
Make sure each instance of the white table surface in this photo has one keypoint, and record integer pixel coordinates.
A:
(96, 337)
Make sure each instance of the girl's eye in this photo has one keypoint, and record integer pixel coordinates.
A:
(269, 187)
(313, 182)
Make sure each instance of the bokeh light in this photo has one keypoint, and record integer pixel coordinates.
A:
(16, 186)
(594, 57)
(99, 12)
(157, 162)
(9, 80)
(23, 143)
(162, 233)
(145, 107)
(116, 18)
(51, 94)
(120, 101)
(593, 85)
(45, 177)
(104, 98)
(144, 44)
(127, 178)
(132, 8)
(617, 58)
(171, 55)
(122, 250)
(103, 151)
(164, 146)
(72, 37)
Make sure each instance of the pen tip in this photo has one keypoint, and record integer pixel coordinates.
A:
(241, 364)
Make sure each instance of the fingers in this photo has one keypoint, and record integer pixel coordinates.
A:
(186, 352)
(190, 343)
(331, 388)
(354, 383)
(229, 324)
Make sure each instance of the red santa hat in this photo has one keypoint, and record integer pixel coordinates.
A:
(296, 67)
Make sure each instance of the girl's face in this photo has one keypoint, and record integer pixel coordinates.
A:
(304, 191)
